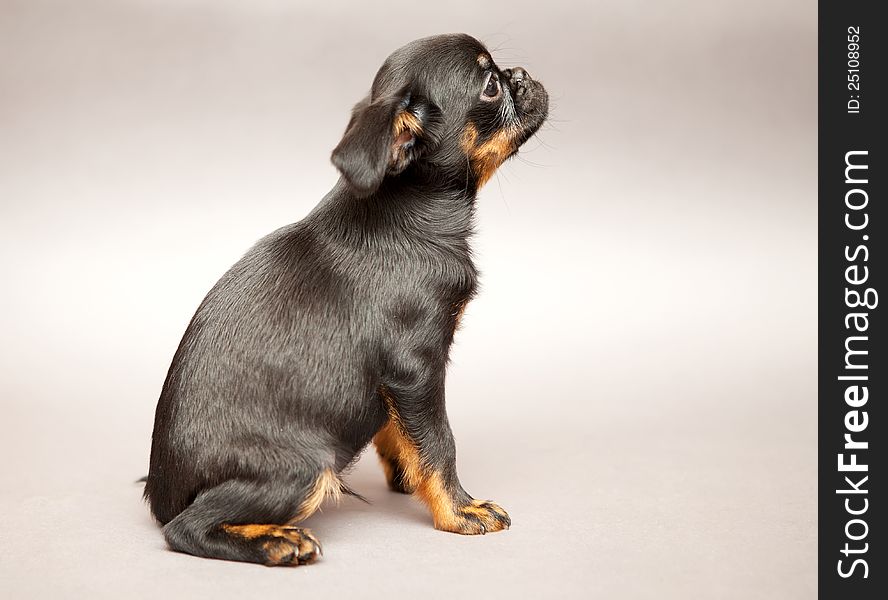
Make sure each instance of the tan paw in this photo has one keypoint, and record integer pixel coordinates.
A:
(292, 546)
(479, 517)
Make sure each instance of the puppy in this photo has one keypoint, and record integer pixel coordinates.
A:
(335, 331)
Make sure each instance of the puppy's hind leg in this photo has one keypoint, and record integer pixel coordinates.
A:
(253, 521)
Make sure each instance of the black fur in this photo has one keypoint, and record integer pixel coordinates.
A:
(280, 374)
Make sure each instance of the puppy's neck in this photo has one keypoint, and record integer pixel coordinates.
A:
(405, 208)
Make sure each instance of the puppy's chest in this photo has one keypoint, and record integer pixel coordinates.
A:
(448, 275)
(416, 294)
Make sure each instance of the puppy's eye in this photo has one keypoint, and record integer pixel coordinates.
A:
(491, 88)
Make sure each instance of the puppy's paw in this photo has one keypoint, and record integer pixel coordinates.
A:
(291, 546)
(478, 517)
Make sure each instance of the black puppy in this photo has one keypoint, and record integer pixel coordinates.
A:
(336, 330)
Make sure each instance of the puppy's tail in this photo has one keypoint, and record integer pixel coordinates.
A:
(142, 479)
(350, 492)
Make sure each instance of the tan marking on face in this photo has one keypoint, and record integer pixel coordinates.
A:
(460, 308)
(485, 157)
(484, 60)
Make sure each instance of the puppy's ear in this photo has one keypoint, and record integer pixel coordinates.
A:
(383, 137)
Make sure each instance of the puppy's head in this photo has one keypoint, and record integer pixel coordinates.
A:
(440, 105)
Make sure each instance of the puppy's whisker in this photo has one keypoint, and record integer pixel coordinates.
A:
(556, 119)
(531, 163)
(541, 143)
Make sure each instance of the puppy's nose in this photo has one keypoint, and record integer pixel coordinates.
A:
(518, 79)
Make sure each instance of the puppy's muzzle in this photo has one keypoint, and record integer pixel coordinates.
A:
(519, 80)
(530, 100)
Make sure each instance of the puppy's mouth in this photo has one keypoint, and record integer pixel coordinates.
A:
(529, 103)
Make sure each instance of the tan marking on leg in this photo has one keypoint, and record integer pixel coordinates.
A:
(294, 547)
(326, 485)
(253, 531)
(483, 508)
(394, 443)
(385, 461)
(435, 495)
(427, 485)
(388, 442)
(282, 544)
(478, 517)
(490, 517)
(278, 552)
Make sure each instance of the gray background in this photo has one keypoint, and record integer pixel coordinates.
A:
(635, 383)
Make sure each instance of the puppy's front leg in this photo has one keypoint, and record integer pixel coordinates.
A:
(418, 453)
